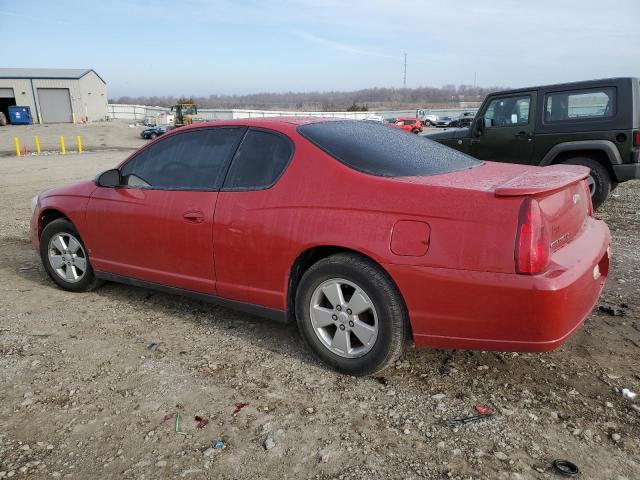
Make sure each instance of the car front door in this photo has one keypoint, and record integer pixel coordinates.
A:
(158, 226)
(505, 131)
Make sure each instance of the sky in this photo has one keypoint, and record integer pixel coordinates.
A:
(202, 47)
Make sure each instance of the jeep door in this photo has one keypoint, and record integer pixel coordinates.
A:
(506, 129)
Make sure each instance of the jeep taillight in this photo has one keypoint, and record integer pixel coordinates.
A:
(587, 198)
(636, 138)
(532, 243)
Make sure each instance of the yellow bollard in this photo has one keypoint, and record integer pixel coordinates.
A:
(79, 144)
(37, 144)
(63, 149)
(17, 142)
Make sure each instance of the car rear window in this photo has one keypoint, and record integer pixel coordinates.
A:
(382, 151)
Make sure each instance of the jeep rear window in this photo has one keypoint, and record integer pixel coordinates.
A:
(383, 151)
(577, 105)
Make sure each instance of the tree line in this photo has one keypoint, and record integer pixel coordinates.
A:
(365, 99)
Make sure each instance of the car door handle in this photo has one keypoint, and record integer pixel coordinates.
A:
(522, 135)
(193, 217)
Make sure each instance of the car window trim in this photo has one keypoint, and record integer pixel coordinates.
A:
(224, 187)
(225, 166)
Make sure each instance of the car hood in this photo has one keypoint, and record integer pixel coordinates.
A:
(448, 134)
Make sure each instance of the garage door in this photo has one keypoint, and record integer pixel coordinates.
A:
(55, 105)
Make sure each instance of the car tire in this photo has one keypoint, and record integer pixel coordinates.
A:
(65, 257)
(415, 130)
(374, 337)
(152, 136)
(3, 120)
(600, 182)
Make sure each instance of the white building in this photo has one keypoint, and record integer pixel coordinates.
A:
(54, 95)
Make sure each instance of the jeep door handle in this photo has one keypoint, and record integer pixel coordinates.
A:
(193, 216)
(522, 135)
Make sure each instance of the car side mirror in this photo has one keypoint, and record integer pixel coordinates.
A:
(109, 179)
(478, 127)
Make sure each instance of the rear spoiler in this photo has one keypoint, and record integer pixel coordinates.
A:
(542, 180)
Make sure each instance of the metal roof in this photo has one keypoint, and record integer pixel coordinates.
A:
(47, 73)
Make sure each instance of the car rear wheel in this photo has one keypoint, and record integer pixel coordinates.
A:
(65, 258)
(351, 314)
(599, 181)
(153, 135)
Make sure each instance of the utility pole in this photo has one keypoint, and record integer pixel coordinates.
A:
(404, 78)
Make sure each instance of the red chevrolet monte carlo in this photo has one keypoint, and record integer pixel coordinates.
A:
(367, 236)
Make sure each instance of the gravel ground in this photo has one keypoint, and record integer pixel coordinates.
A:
(82, 394)
(114, 135)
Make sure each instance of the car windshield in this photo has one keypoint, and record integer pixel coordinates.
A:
(387, 152)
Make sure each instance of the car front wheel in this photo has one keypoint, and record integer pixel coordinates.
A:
(351, 314)
(65, 258)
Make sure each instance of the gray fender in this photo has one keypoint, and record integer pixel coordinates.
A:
(605, 146)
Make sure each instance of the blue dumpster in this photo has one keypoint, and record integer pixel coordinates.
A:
(20, 115)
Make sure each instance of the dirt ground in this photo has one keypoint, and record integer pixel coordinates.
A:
(84, 394)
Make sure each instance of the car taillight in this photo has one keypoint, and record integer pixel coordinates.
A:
(636, 138)
(532, 244)
(587, 198)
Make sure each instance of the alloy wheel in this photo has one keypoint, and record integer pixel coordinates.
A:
(344, 318)
(67, 257)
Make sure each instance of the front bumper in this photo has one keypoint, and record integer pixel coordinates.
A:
(507, 312)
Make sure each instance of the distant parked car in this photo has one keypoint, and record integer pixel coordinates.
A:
(464, 120)
(444, 122)
(429, 120)
(409, 124)
(153, 132)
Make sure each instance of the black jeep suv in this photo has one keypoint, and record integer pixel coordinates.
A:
(594, 123)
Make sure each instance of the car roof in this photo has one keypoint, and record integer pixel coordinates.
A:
(407, 118)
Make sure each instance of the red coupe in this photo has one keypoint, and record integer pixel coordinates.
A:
(408, 124)
(365, 235)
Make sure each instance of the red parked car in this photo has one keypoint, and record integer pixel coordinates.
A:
(408, 124)
(367, 236)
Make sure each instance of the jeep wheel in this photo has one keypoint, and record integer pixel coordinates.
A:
(600, 183)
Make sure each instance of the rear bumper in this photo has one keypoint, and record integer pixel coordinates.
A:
(507, 312)
(627, 171)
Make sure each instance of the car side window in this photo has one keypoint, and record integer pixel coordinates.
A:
(580, 105)
(507, 112)
(193, 160)
(260, 160)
